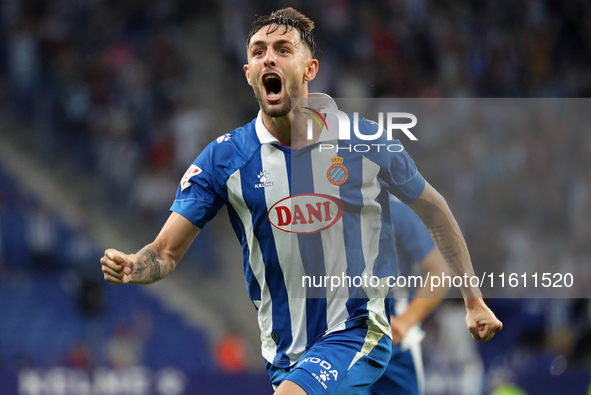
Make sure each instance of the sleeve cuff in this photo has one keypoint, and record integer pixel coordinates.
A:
(411, 189)
(192, 211)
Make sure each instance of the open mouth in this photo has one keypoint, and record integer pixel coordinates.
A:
(273, 86)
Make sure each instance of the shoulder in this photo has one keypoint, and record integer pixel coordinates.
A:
(233, 147)
(224, 156)
(369, 133)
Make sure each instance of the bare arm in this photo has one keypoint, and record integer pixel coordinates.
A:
(156, 260)
(433, 210)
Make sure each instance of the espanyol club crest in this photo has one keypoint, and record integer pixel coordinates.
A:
(337, 173)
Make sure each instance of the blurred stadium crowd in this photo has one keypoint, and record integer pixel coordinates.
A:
(102, 85)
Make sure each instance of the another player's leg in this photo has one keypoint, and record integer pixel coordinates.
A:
(403, 376)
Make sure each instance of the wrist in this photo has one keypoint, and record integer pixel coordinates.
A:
(474, 303)
(406, 319)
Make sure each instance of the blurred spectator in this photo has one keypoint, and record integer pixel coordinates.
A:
(23, 62)
(189, 127)
(125, 348)
(453, 361)
(152, 191)
(79, 356)
(579, 205)
(13, 230)
(118, 154)
(43, 233)
(235, 20)
(1, 252)
(91, 299)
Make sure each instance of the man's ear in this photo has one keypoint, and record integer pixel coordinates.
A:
(311, 70)
(247, 74)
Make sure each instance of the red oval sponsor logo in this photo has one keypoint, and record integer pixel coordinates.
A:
(306, 213)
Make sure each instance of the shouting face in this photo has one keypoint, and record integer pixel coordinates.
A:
(279, 67)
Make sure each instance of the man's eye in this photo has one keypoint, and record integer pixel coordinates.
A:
(283, 50)
(258, 53)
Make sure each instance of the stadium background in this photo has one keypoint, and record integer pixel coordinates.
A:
(104, 104)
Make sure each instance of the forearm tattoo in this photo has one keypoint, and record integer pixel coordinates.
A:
(438, 235)
(448, 252)
(451, 248)
(148, 268)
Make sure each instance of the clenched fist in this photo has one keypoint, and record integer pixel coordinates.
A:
(481, 322)
(117, 266)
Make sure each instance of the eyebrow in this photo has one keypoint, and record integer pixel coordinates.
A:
(278, 42)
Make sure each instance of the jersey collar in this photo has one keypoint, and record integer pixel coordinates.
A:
(265, 137)
(321, 101)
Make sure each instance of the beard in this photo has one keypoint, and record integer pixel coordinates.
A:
(290, 93)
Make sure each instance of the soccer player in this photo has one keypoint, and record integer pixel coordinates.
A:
(414, 246)
(318, 222)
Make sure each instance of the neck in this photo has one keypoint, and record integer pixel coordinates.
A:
(279, 127)
(291, 129)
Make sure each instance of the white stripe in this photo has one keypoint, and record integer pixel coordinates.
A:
(371, 214)
(371, 226)
(417, 358)
(377, 314)
(265, 312)
(290, 260)
(333, 245)
(372, 338)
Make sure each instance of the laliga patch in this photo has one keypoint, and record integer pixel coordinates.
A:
(337, 173)
(191, 171)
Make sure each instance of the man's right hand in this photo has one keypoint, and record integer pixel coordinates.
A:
(117, 266)
(481, 321)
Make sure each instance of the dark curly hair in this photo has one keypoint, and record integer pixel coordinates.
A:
(290, 19)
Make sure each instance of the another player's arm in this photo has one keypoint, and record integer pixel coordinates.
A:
(425, 299)
(433, 210)
(156, 260)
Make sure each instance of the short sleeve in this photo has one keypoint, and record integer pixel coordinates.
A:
(398, 170)
(199, 196)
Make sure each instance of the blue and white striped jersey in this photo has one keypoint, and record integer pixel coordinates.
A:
(306, 212)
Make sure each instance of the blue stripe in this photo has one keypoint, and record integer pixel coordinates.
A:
(273, 274)
(310, 247)
(287, 152)
(351, 195)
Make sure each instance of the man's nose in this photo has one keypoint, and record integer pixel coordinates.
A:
(270, 60)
